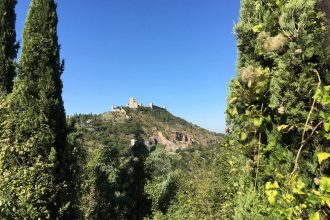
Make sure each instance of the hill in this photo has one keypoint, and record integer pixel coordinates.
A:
(153, 126)
(116, 156)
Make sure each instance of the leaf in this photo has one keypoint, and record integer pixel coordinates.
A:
(324, 115)
(313, 199)
(288, 198)
(318, 95)
(319, 15)
(327, 88)
(322, 156)
(271, 196)
(325, 183)
(258, 7)
(279, 3)
(270, 185)
(316, 192)
(325, 100)
(326, 200)
(233, 111)
(298, 187)
(257, 28)
(257, 122)
(315, 216)
(232, 100)
(243, 136)
(282, 127)
(326, 126)
(268, 119)
(231, 142)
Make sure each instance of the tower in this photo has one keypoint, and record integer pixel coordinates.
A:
(132, 103)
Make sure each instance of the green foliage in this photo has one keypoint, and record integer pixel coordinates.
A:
(114, 187)
(123, 183)
(114, 173)
(8, 45)
(28, 191)
(278, 108)
(248, 203)
(75, 162)
(205, 185)
(163, 115)
(162, 179)
(33, 141)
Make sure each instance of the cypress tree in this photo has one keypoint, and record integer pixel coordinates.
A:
(249, 92)
(278, 108)
(8, 45)
(34, 137)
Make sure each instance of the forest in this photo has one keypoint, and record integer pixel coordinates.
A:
(272, 163)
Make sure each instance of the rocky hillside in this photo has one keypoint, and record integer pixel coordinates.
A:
(152, 126)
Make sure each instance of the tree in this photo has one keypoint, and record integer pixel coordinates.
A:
(278, 107)
(8, 45)
(161, 178)
(114, 182)
(34, 138)
(195, 183)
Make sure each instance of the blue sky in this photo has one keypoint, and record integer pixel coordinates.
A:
(178, 53)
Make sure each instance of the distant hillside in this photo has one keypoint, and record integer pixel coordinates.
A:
(153, 126)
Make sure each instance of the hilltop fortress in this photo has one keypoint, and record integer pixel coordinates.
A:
(133, 104)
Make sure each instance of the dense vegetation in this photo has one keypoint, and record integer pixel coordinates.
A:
(9, 46)
(122, 181)
(33, 168)
(278, 109)
(272, 164)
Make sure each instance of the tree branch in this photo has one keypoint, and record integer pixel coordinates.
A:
(303, 140)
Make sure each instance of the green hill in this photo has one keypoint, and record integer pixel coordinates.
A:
(153, 126)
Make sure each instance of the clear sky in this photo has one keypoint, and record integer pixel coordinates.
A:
(178, 53)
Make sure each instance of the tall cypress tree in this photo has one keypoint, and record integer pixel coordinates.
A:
(34, 137)
(279, 104)
(249, 92)
(8, 45)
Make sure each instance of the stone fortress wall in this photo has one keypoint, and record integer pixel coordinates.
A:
(133, 104)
